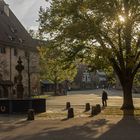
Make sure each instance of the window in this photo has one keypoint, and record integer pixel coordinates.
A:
(15, 52)
(26, 54)
(2, 50)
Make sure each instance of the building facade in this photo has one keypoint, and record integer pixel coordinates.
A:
(16, 42)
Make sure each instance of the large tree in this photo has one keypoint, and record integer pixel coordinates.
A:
(108, 29)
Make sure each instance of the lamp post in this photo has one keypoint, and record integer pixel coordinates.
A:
(28, 73)
(10, 65)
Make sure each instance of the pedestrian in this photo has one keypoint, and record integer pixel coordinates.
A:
(104, 98)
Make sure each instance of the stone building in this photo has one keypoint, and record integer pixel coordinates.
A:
(16, 42)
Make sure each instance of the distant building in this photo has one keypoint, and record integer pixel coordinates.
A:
(101, 79)
(89, 80)
(15, 41)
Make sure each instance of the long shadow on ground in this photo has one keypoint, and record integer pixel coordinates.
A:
(127, 128)
(81, 132)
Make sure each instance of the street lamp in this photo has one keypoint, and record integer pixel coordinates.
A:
(28, 73)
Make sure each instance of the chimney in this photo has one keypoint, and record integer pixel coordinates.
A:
(6, 9)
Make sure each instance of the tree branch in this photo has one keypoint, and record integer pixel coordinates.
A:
(137, 56)
(120, 54)
(116, 67)
(136, 69)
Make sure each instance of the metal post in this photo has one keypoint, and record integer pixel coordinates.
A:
(10, 92)
(28, 71)
(10, 65)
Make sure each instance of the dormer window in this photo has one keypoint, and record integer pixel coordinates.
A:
(20, 40)
(11, 38)
(13, 30)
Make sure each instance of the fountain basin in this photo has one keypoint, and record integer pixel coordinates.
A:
(8, 106)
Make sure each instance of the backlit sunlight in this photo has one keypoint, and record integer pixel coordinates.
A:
(121, 18)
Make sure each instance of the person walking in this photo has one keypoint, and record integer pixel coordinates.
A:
(104, 98)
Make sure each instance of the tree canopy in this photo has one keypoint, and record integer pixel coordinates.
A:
(53, 68)
(98, 29)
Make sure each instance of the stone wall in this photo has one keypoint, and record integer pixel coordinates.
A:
(9, 61)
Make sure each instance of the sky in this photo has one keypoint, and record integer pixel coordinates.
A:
(27, 11)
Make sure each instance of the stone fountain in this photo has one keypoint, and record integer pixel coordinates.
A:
(19, 87)
(19, 104)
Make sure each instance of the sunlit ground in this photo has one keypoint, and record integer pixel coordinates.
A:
(111, 124)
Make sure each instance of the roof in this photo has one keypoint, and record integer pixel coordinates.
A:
(101, 73)
(46, 82)
(12, 32)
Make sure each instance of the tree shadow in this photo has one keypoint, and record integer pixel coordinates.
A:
(126, 129)
(11, 122)
(81, 132)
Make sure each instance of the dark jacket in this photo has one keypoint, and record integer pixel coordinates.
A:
(104, 95)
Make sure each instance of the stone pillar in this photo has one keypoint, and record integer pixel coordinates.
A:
(87, 107)
(70, 113)
(31, 115)
(68, 105)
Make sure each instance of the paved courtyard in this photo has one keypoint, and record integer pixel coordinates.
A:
(90, 96)
(100, 127)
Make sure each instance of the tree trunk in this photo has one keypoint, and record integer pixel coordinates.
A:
(55, 88)
(127, 95)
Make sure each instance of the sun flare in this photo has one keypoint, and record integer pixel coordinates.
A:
(121, 18)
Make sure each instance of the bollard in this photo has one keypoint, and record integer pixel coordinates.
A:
(98, 108)
(31, 114)
(70, 113)
(93, 111)
(87, 108)
(68, 105)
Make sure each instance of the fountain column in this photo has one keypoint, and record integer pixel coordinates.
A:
(19, 87)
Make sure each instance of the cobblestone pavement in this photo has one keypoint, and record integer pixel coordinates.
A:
(82, 127)
(90, 96)
(100, 127)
